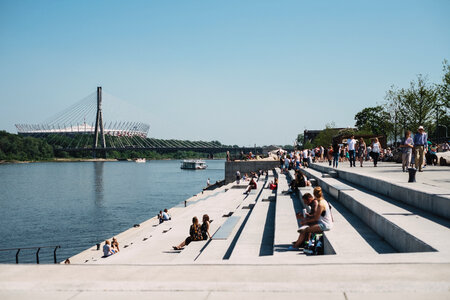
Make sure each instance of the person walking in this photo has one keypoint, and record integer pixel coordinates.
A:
(361, 151)
(336, 152)
(407, 146)
(351, 142)
(376, 150)
(420, 142)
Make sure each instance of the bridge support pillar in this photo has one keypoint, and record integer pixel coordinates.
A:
(99, 125)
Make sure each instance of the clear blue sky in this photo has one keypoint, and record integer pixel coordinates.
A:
(241, 72)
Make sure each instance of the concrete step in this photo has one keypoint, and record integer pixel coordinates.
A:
(286, 224)
(256, 238)
(433, 199)
(404, 227)
(349, 236)
(219, 249)
(158, 248)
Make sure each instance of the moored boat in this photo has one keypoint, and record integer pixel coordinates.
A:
(193, 164)
(140, 160)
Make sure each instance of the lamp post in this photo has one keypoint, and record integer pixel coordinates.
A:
(439, 125)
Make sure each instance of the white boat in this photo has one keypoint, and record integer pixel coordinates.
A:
(140, 160)
(193, 164)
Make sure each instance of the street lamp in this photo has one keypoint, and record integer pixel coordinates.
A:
(439, 125)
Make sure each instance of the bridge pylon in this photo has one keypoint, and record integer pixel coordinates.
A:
(99, 124)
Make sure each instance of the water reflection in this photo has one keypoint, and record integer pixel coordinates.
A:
(98, 183)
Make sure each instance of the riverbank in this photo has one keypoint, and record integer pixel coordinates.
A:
(48, 200)
(56, 160)
(92, 160)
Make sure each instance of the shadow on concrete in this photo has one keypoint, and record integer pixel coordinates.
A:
(412, 210)
(370, 236)
(269, 231)
(241, 228)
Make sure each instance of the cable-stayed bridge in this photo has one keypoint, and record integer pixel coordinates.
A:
(82, 127)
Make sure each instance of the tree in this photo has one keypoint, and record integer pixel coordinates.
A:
(413, 107)
(374, 120)
(300, 139)
(443, 103)
(325, 137)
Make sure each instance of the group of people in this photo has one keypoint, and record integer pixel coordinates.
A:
(315, 218)
(164, 216)
(254, 176)
(197, 232)
(294, 160)
(355, 150)
(415, 149)
(299, 181)
(110, 248)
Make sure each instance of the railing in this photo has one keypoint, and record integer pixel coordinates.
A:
(37, 252)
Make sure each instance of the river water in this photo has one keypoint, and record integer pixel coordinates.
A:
(77, 204)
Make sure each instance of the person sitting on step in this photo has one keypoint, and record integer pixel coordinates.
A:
(205, 228)
(107, 250)
(322, 216)
(115, 245)
(273, 185)
(165, 215)
(251, 186)
(195, 234)
(310, 204)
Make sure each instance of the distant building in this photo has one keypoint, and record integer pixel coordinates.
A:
(310, 135)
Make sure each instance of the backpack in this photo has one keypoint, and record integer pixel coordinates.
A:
(314, 246)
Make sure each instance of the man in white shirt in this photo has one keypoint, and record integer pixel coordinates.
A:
(351, 142)
(305, 157)
(165, 215)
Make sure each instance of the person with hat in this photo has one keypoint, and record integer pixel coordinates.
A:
(420, 142)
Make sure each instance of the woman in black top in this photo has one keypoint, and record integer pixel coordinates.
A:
(205, 228)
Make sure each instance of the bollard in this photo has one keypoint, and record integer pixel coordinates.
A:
(412, 174)
(98, 246)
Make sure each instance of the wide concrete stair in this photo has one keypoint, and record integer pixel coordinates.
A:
(399, 221)
(259, 228)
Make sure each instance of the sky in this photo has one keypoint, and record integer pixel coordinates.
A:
(241, 72)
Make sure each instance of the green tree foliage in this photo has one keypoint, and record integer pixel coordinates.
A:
(373, 120)
(16, 147)
(20, 148)
(443, 92)
(419, 102)
(325, 137)
(300, 139)
(422, 103)
(443, 102)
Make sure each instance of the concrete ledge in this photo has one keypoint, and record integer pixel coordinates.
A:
(231, 167)
(373, 214)
(285, 220)
(427, 198)
(225, 230)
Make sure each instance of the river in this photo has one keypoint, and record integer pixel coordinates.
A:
(77, 204)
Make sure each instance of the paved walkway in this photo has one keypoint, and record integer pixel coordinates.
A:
(328, 281)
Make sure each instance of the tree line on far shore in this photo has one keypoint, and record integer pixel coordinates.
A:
(421, 104)
(14, 147)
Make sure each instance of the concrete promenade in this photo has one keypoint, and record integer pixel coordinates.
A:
(383, 246)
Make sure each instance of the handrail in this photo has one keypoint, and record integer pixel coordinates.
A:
(37, 252)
